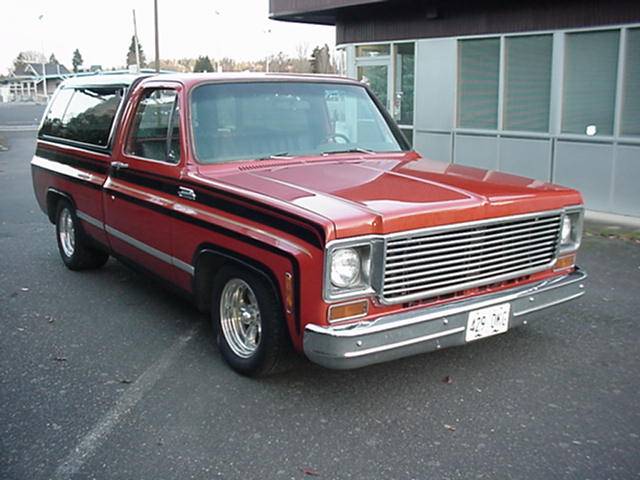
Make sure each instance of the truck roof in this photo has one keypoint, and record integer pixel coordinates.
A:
(103, 79)
(126, 79)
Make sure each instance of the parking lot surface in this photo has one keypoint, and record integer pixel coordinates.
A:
(105, 375)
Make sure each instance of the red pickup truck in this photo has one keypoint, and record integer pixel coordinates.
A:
(294, 211)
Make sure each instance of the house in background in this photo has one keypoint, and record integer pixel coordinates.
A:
(548, 89)
(27, 82)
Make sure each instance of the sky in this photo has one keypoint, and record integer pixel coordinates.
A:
(188, 28)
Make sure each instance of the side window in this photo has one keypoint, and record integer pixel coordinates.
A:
(156, 128)
(83, 115)
(52, 124)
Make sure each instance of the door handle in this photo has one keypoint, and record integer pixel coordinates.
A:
(187, 193)
(119, 165)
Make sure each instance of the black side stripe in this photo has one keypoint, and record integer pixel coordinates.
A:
(226, 232)
(72, 160)
(297, 226)
(218, 201)
(79, 181)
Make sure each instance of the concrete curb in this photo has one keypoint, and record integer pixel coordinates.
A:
(18, 128)
(613, 220)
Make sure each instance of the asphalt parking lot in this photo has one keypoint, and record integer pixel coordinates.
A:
(105, 375)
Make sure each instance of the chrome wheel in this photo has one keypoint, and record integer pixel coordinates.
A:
(240, 318)
(67, 232)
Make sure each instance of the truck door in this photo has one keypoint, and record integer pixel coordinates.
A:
(140, 192)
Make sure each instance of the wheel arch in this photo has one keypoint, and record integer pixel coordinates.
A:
(53, 198)
(209, 259)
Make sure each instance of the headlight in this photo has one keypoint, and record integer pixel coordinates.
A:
(565, 234)
(571, 229)
(346, 266)
(351, 268)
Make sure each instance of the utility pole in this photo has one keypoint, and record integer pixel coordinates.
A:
(266, 34)
(135, 40)
(155, 17)
(44, 59)
(217, 66)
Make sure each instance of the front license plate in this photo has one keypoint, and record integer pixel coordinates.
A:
(487, 321)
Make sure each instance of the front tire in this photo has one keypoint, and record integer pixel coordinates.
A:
(247, 317)
(74, 247)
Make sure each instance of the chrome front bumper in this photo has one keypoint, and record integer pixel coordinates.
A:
(428, 329)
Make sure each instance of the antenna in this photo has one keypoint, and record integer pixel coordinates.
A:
(155, 19)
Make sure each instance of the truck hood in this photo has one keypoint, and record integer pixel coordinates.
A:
(393, 192)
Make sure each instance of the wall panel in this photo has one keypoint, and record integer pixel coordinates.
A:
(587, 167)
(526, 157)
(626, 186)
(476, 151)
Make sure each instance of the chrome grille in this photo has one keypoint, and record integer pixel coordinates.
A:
(443, 260)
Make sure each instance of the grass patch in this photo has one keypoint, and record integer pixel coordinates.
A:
(617, 233)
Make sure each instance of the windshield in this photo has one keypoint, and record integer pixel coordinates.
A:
(259, 120)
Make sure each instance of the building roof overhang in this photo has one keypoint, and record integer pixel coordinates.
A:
(322, 12)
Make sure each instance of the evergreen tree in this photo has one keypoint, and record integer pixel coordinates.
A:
(53, 59)
(19, 61)
(76, 61)
(131, 54)
(203, 64)
(321, 60)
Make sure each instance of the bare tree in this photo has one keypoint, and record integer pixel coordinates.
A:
(301, 63)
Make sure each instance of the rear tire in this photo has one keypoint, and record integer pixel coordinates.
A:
(75, 248)
(247, 317)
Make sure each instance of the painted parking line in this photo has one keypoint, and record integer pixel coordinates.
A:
(87, 446)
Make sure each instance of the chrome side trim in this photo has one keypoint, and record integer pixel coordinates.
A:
(150, 250)
(405, 343)
(136, 243)
(90, 220)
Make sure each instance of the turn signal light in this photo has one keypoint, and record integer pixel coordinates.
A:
(348, 310)
(566, 261)
(288, 292)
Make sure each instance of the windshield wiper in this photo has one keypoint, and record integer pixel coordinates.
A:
(350, 150)
(276, 156)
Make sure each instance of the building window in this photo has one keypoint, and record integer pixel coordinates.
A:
(376, 77)
(478, 73)
(631, 91)
(404, 83)
(408, 134)
(591, 65)
(527, 83)
(372, 50)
